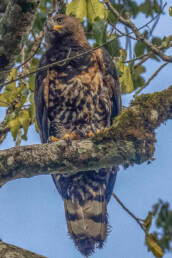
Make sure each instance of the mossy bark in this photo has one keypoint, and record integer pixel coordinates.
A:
(14, 29)
(7, 250)
(129, 141)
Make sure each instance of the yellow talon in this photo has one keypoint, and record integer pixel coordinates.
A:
(54, 139)
(89, 134)
(98, 131)
(66, 137)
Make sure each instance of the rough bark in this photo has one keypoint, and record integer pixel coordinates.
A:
(7, 250)
(14, 29)
(3, 5)
(130, 140)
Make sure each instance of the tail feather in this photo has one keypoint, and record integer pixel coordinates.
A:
(85, 197)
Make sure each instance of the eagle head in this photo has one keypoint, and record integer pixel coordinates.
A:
(61, 27)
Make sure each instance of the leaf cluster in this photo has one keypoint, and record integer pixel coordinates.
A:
(163, 216)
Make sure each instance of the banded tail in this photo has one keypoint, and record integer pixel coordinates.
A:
(86, 195)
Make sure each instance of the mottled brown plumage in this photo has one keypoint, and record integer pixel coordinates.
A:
(78, 98)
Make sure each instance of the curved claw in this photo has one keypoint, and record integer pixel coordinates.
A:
(53, 139)
(89, 134)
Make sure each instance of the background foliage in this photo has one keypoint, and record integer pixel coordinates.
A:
(101, 27)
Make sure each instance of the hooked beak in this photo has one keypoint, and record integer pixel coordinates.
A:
(56, 28)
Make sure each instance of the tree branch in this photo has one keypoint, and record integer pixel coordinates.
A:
(127, 22)
(130, 140)
(7, 250)
(14, 29)
(73, 57)
(150, 79)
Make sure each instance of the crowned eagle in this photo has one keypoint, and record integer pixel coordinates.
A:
(75, 99)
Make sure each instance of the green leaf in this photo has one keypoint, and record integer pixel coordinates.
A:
(146, 8)
(157, 41)
(170, 10)
(138, 80)
(95, 8)
(157, 7)
(139, 48)
(99, 31)
(166, 42)
(153, 246)
(134, 9)
(14, 127)
(77, 8)
(114, 46)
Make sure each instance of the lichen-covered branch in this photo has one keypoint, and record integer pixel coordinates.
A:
(7, 250)
(14, 29)
(130, 140)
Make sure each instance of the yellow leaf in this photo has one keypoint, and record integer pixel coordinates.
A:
(148, 222)
(125, 79)
(77, 8)
(153, 246)
(3, 101)
(24, 119)
(36, 126)
(12, 76)
(18, 105)
(14, 127)
(18, 91)
(123, 54)
(95, 8)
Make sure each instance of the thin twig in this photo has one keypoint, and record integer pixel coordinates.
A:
(142, 61)
(73, 57)
(137, 58)
(53, 8)
(137, 33)
(116, 22)
(129, 212)
(19, 137)
(150, 79)
(122, 33)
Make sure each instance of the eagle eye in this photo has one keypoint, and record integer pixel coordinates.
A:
(59, 20)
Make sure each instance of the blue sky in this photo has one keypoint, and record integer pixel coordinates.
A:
(32, 213)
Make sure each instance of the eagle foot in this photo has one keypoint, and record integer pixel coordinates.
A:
(75, 135)
(90, 134)
(53, 139)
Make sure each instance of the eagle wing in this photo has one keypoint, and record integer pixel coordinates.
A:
(110, 78)
(40, 102)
